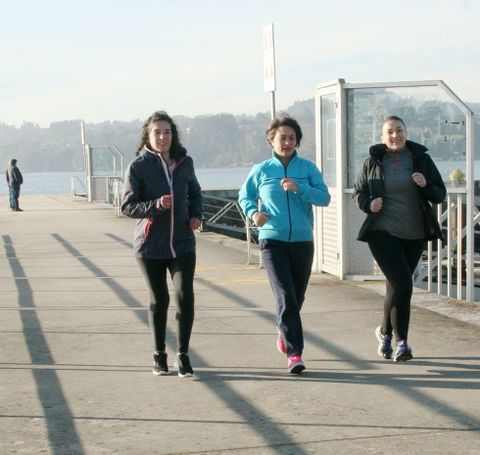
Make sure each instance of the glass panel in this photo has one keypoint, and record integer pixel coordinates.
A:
(328, 138)
(105, 162)
(430, 117)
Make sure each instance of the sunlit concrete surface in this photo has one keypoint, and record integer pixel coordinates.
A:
(75, 355)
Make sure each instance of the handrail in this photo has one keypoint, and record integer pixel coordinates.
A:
(117, 190)
(227, 206)
(73, 192)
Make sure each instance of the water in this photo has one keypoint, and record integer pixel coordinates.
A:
(60, 182)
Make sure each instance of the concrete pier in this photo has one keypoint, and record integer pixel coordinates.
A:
(76, 356)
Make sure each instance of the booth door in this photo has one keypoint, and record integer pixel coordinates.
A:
(326, 225)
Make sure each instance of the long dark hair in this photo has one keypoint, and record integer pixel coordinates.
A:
(176, 149)
(284, 120)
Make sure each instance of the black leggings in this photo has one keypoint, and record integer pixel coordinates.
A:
(182, 270)
(397, 258)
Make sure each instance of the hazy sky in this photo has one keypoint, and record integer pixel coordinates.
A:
(102, 60)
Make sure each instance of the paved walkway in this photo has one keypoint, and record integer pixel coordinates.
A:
(75, 355)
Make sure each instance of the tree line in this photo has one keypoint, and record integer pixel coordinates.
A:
(221, 140)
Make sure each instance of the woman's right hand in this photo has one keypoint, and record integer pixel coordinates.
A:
(259, 218)
(376, 205)
(165, 202)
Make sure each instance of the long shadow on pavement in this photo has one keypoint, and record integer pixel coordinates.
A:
(58, 416)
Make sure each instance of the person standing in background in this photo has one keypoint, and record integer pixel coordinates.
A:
(287, 187)
(14, 181)
(162, 192)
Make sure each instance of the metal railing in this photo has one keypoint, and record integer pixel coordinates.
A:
(117, 190)
(444, 267)
(225, 215)
(73, 191)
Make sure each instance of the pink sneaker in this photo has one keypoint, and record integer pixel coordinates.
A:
(295, 364)
(281, 344)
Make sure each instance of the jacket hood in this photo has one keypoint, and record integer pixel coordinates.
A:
(378, 151)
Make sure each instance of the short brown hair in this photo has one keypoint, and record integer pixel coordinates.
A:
(284, 120)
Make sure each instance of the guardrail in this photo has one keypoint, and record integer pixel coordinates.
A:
(73, 192)
(443, 267)
(224, 215)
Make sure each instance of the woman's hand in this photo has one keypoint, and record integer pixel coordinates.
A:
(289, 184)
(165, 202)
(376, 205)
(259, 218)
(419, 179)
(195, 224)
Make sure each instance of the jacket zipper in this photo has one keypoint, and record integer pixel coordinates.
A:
(288, 207)
(172, 207)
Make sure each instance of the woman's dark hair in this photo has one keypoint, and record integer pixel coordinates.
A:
(393, 117)
(176, 148)
(284, 120)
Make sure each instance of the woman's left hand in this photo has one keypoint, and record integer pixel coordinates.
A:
(195, 223)
(289, 185)
(419, 179)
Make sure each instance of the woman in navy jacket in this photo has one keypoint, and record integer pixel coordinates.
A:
(398, 183)
(162, 192)
(287, 186)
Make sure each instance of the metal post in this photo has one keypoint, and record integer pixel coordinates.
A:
(469, 250)
(272, 105)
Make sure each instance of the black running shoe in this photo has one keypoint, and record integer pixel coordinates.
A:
(182, 364)
(160, 366)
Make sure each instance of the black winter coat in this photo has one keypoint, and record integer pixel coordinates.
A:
(161, 233)
(370, 185)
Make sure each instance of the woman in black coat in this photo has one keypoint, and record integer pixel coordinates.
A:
(396, 187)
(162, 192)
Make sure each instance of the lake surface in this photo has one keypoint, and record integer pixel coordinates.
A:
(60, 182)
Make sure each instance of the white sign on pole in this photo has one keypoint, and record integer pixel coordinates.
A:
(268, 59)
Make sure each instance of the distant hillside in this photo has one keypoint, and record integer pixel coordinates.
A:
(221, 140)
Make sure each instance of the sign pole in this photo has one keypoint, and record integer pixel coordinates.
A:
(269, 83)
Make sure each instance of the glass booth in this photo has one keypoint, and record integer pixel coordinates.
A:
(348, 119)
(104, 166)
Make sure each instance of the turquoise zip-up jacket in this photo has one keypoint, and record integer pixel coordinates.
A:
(290, 214)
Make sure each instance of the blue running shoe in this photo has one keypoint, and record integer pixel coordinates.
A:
(385, 349)
(403, 353)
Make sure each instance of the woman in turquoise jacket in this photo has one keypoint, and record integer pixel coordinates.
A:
(278, 196)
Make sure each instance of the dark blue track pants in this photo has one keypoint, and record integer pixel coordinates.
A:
(288, 265)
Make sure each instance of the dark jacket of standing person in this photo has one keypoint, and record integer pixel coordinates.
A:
(13, 175)
(14, 180)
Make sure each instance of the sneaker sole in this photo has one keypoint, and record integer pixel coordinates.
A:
(297, 369)
(182, 375)
(160, 373)
(186, 375)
